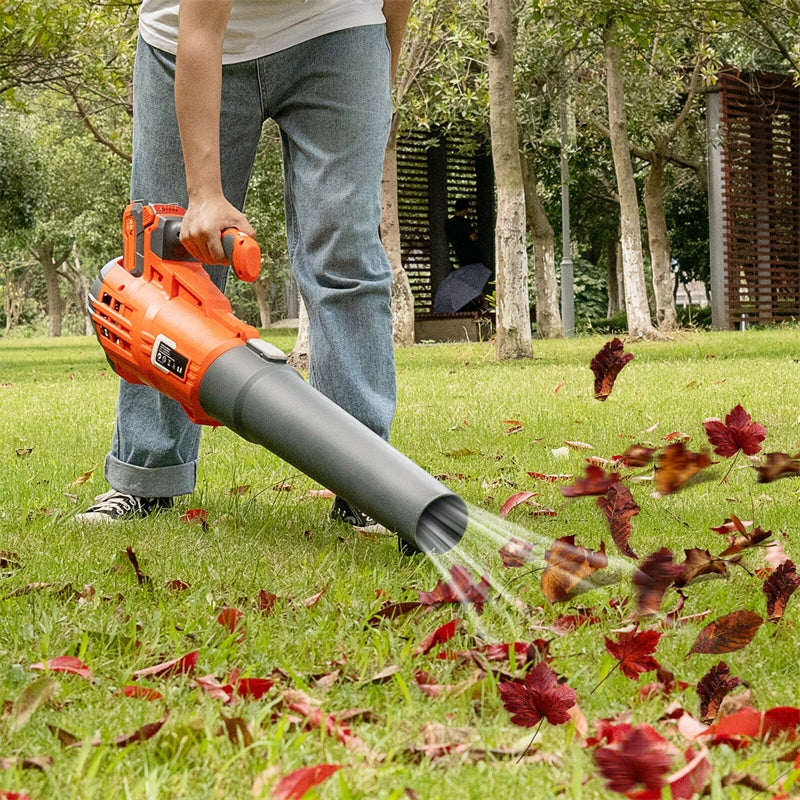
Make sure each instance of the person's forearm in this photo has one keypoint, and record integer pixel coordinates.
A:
(396, 14)
(198, 85)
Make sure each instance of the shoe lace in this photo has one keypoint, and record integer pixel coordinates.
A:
(115, 502)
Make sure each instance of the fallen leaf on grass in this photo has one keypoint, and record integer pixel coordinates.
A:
(33, 696)
(568, 565)
(302, 704)
(779, 587)
(606, 366)
(230, 618)
(738, 432)
(741, 727)
(676, 464)
(177, 666)
(538, 697)
(296, 784)
(513, 502)
(459, 589)
(727, 634)
(712, 689)
(141, 692)
(619, 506)
(634, 652)
(444, 633)
(68, 664)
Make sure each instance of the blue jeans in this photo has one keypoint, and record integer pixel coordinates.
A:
(331, 100)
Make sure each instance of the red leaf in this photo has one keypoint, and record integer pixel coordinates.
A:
(539, 696)
(747, 724)
(634, 651)
(594, 482)
(253, 688)
(69, 664)
(177, 666)
(688, 782)
(619, 506)
(141, 692)
(142, 734)
(196, 516)
(294, 785)
(676, 464)
(654, 576)
(459, 589)
(779, 587)
(266, 602)
(728, 633)
(514, 501)
(568, 565)
(642, 757)
(606, 365)
(738, 432)
(712, 689)
(444, 633)
(229, 618)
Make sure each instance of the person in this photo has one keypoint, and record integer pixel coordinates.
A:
(207, 75)
(462, 236)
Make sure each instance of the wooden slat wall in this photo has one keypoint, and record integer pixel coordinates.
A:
(761, 196)
(414, 190)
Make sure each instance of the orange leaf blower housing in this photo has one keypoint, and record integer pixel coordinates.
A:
(162, 322)
(176, 299)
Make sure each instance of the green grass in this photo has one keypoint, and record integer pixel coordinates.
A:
(456, 406)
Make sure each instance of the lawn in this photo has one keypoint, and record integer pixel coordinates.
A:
(300, 643)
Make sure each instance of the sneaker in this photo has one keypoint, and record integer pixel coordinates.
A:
(113, 506)
(344, 512)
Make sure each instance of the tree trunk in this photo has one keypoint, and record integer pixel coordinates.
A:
(402, 298)
(548, 313)
(260, 290)
(640, 325)
(614, 279)
(15, 290)
(55, 305)
(298, 358)
(513, 338)
(658, 242)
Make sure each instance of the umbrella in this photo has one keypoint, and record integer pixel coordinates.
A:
(460, 286)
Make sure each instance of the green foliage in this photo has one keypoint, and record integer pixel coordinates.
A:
(19, 169)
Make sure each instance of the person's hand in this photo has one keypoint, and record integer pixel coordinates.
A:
(202, 227)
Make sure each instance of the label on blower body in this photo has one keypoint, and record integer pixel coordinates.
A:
(166, 358)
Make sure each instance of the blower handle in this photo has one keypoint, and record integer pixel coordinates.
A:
(243, 253)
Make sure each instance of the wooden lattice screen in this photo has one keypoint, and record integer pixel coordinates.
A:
(760, 116)
(430, 176)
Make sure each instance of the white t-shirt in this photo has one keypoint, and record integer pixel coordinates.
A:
(259, 27)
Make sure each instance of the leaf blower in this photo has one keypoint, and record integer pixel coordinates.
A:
(162, 322)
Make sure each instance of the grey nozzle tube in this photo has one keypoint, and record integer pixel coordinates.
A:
(257, 395)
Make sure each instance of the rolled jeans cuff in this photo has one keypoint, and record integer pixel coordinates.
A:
(151, 481)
